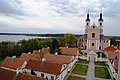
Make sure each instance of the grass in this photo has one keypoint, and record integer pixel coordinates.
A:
(100, 63)
(102, 72)
(75, 78)
(1, 60)
(80, 69)
(83, 61)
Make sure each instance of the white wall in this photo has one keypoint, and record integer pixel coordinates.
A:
(112, 70)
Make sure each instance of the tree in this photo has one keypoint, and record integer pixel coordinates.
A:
(70, 40)
(54, 46)
(112, 41)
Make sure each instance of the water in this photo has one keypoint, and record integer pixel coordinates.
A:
(16, 38)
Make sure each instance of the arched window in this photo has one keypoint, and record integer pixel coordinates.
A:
(93, 35)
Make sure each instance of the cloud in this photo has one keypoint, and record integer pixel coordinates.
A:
(55, 15)
(10, 7)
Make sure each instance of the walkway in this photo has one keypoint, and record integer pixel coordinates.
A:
(90, 72)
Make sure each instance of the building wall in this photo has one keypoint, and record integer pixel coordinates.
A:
(64, 72)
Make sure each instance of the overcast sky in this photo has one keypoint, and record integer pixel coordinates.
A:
(57, 16)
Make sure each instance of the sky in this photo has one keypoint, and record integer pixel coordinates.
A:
(57, 16)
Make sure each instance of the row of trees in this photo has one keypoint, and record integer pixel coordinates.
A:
(16, 48)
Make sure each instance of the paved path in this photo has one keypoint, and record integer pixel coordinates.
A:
(90, 72)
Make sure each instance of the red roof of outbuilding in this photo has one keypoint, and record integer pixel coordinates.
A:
(11, 75)
(69, 51)
(43, 66)
(27, 57)
(110, 48)
(58, 58)
(6, 74)
(9, 62)
(112, 55)
(23, 76)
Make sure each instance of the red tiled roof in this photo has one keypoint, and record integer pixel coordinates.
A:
(6, 74)
(112, 55)
(45, 50)
(58, 58)
(42, 52)
(69, 51)
(43, 66)
(27, 57)
(110, 48)
(22, 76)
(11, 75)
(12, 63)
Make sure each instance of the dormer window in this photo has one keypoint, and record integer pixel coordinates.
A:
(100, 23)
(93, 26)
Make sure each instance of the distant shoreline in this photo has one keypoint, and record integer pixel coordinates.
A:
(48, 35)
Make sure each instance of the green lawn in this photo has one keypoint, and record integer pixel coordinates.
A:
(100, 63)
(102, 72)
(75, 78)
(1, 60)
(80, 69)
(83, 61)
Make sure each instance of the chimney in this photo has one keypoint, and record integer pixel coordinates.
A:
(56, 53)
(47, 47)
(29, 52)
(43, 59)
(13, 57)
(67, 46)
(17, 71)
(39, 50)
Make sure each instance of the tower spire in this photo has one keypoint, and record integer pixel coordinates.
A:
(100, 19)
(88, 16)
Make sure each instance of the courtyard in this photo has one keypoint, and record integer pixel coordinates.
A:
(102, 72)
(80, 71)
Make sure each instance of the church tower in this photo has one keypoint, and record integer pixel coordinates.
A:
(87, 20)
(93, 39)
(100, 23)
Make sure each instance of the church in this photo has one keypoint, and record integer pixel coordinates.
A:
(93, 39)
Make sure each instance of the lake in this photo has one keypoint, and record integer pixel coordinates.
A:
(17, 37)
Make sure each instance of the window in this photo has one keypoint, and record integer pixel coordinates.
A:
(100, 41)
(52, 77)
(100, 23)
(87, 23)
(46, 78)
(104, 41)
(93, 26)
(116, 57)
(99, 48)
(93, 35)
(85, 47)
(42, 75)
(107, 41)
(33, 72)
(92, 44)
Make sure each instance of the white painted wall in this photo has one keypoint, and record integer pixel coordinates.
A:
(112, 70)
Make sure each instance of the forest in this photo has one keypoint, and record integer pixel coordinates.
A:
(8, 48)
